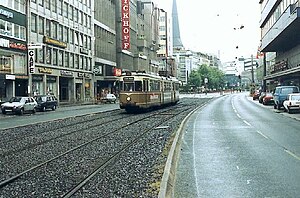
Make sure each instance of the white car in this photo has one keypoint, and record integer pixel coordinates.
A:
(292, 103)
(19, 105)
(109, 98)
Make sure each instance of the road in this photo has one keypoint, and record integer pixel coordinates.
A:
(11, 120)
(234, 147)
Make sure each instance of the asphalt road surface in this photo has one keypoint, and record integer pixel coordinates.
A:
(234, 147)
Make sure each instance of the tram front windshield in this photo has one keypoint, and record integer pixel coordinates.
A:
(133, 86)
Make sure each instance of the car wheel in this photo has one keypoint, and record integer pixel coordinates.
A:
(278, 107)
(275, 106)
(21, 112)
(3, 111)
(53, 108)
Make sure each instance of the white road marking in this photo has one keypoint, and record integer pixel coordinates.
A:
(237, 167)
(246, 122)
(292, 154)
(260, 133)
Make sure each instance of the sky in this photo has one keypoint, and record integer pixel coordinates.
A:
(213, 26)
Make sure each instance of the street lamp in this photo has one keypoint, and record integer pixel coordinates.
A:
(188, 70)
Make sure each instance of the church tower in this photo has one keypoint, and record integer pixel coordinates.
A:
(177, 43)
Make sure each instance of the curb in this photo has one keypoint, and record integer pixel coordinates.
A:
(168, 178)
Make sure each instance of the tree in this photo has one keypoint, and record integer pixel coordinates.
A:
(216, 78)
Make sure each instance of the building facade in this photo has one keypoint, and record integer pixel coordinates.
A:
(280, 43)
(60, 34)
(13, 49)
(106, 70)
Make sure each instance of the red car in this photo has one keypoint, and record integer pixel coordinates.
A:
(268, 99)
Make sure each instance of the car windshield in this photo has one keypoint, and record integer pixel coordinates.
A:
(41, 99)
(289, 90)
(15, 99)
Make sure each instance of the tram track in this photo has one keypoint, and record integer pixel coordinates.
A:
(83, 162)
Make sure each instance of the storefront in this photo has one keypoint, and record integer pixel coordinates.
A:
(107, 83)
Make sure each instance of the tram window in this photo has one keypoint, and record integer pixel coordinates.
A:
(138, 85)
(128, 87)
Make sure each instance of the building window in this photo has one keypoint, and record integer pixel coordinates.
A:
(60, 7)
(72, 36)
(48, 27)
(33, 22)
(48, 4)
(76, 61)
(54, 56)
(16, 31)
(66, 59)
(41, 55)
(41, 25)
(48, 55)
(60, 58)
(71, 61)
(66, 10)
(22, 33)
(66, 35)
(60, 32)
(54, 30)
(41, 3)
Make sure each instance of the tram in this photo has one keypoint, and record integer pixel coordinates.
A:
(142, 91)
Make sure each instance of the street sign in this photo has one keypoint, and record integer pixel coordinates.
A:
(35, 46)
(31, 61)
(205, 80)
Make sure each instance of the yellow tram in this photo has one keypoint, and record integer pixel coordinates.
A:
(139, 91)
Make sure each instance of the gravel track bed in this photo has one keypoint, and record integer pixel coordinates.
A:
(18, 133)
(136, 173)
(36, 138)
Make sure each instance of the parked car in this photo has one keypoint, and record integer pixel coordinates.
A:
(109, 98)
(19, 105)
(292, 103)
(261, 97)
(46, 102)
(281, 94)
(268, 99)
(256, 95)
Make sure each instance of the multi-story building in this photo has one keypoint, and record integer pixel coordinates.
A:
(13, 49)
(106, 70)
(280, 35)
(63, 32)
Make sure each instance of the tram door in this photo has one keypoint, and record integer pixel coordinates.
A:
(145, 90)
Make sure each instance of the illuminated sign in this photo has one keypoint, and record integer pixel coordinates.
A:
(54, 42)
(125, 25)
(45, 70)
(117, 72)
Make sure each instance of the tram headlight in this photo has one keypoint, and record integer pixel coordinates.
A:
(128, 99)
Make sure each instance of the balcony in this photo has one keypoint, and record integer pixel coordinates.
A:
(284, 35)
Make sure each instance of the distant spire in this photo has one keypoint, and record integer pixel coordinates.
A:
(177, 43)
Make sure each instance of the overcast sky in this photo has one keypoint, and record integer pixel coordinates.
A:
(208, 26)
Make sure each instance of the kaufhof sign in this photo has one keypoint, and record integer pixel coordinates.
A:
(125, 24)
